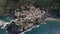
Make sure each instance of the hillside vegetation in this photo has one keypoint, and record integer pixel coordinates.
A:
(47, 4)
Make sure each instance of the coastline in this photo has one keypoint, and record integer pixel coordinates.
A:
(35, 26)
(47, 19)
(31, 28)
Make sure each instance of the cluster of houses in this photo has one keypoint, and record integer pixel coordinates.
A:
(25, 19)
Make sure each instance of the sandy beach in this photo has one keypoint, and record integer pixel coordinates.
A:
(52, 19)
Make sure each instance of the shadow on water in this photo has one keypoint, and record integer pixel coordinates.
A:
(6, 19)
(3, 31)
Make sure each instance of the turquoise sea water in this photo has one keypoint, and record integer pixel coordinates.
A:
(3, 31)
(6, 18)
(51, 27)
